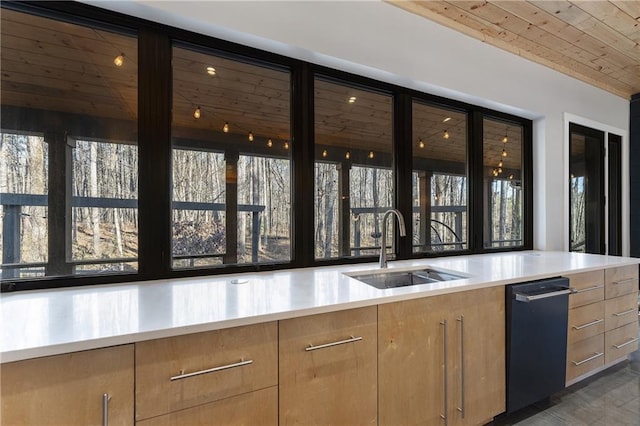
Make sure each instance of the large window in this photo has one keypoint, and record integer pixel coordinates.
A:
(68, 155)
(503, 177)
(232, 159)
(231, 162)
(439, 179)
(353, 174)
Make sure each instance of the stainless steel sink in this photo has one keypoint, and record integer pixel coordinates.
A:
(392, 279)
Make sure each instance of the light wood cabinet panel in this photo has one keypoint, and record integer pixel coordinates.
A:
(442, 355)
(411, 361)
(621, 310)
(254, 408)
(483, 386)
(589, 287)
(621, 280)
(68, 389)
(222, 356)
(621, 341)
(585, 321)
(334, 383)
(585, 356)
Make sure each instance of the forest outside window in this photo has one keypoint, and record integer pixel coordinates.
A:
(353, 169)
(439, 179)
(502, 184)
(231, 162)
(68, 154)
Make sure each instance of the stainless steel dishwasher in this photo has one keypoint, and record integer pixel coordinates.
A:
(536, 340)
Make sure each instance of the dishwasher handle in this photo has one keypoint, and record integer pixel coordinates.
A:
(521, 297)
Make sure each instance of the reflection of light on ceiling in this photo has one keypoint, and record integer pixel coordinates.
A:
(352, 99)
(211, 71)
(446, 119)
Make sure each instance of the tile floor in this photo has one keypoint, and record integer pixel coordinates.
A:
(610, 398)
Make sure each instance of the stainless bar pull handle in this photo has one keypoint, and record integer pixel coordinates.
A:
(627, 312)
(328, 345)
(462, 387)
(184, 375)
(525, 298)
(583, 290)
(628, 280)
(626, 343)
(105, 409)
(591, 358)
(446, 370)
(589, 324)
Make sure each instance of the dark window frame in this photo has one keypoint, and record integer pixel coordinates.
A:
(155, 42)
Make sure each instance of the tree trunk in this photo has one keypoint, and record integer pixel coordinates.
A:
(93, 189)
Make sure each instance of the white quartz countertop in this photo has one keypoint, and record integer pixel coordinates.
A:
(49, 322)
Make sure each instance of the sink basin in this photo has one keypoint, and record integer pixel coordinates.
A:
(392, 279)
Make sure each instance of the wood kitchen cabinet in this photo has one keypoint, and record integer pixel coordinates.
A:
(442, 359)
(621, 309)
(328, 368)
(81, 388)
(603, 320)
(186, 379)
(586, 324)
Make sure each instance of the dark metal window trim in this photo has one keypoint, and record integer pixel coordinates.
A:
(154, 103)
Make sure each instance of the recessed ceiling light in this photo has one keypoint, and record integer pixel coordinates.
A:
(211, 71)
(446, 119)
(352, 99)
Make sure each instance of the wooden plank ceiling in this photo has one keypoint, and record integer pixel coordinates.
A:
(597, 42)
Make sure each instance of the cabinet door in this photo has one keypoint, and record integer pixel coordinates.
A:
(253, 408)
(328, 368)
(477, 339)
(69, 389)
(443, 358)
(411, 354)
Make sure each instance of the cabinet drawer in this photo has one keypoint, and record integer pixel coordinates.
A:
(588, 287)
(185, 371)
(584, 356)
(328, 368)
(254, 408)
(621, 341)
(585, 321)
(621, 310)
(621, 280)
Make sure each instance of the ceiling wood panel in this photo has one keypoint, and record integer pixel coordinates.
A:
(597, 42)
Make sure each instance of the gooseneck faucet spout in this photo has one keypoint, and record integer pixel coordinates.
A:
(403, 232)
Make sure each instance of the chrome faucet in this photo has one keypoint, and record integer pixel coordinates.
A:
(383, 246)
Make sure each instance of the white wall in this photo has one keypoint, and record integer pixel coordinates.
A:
(384, 42)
